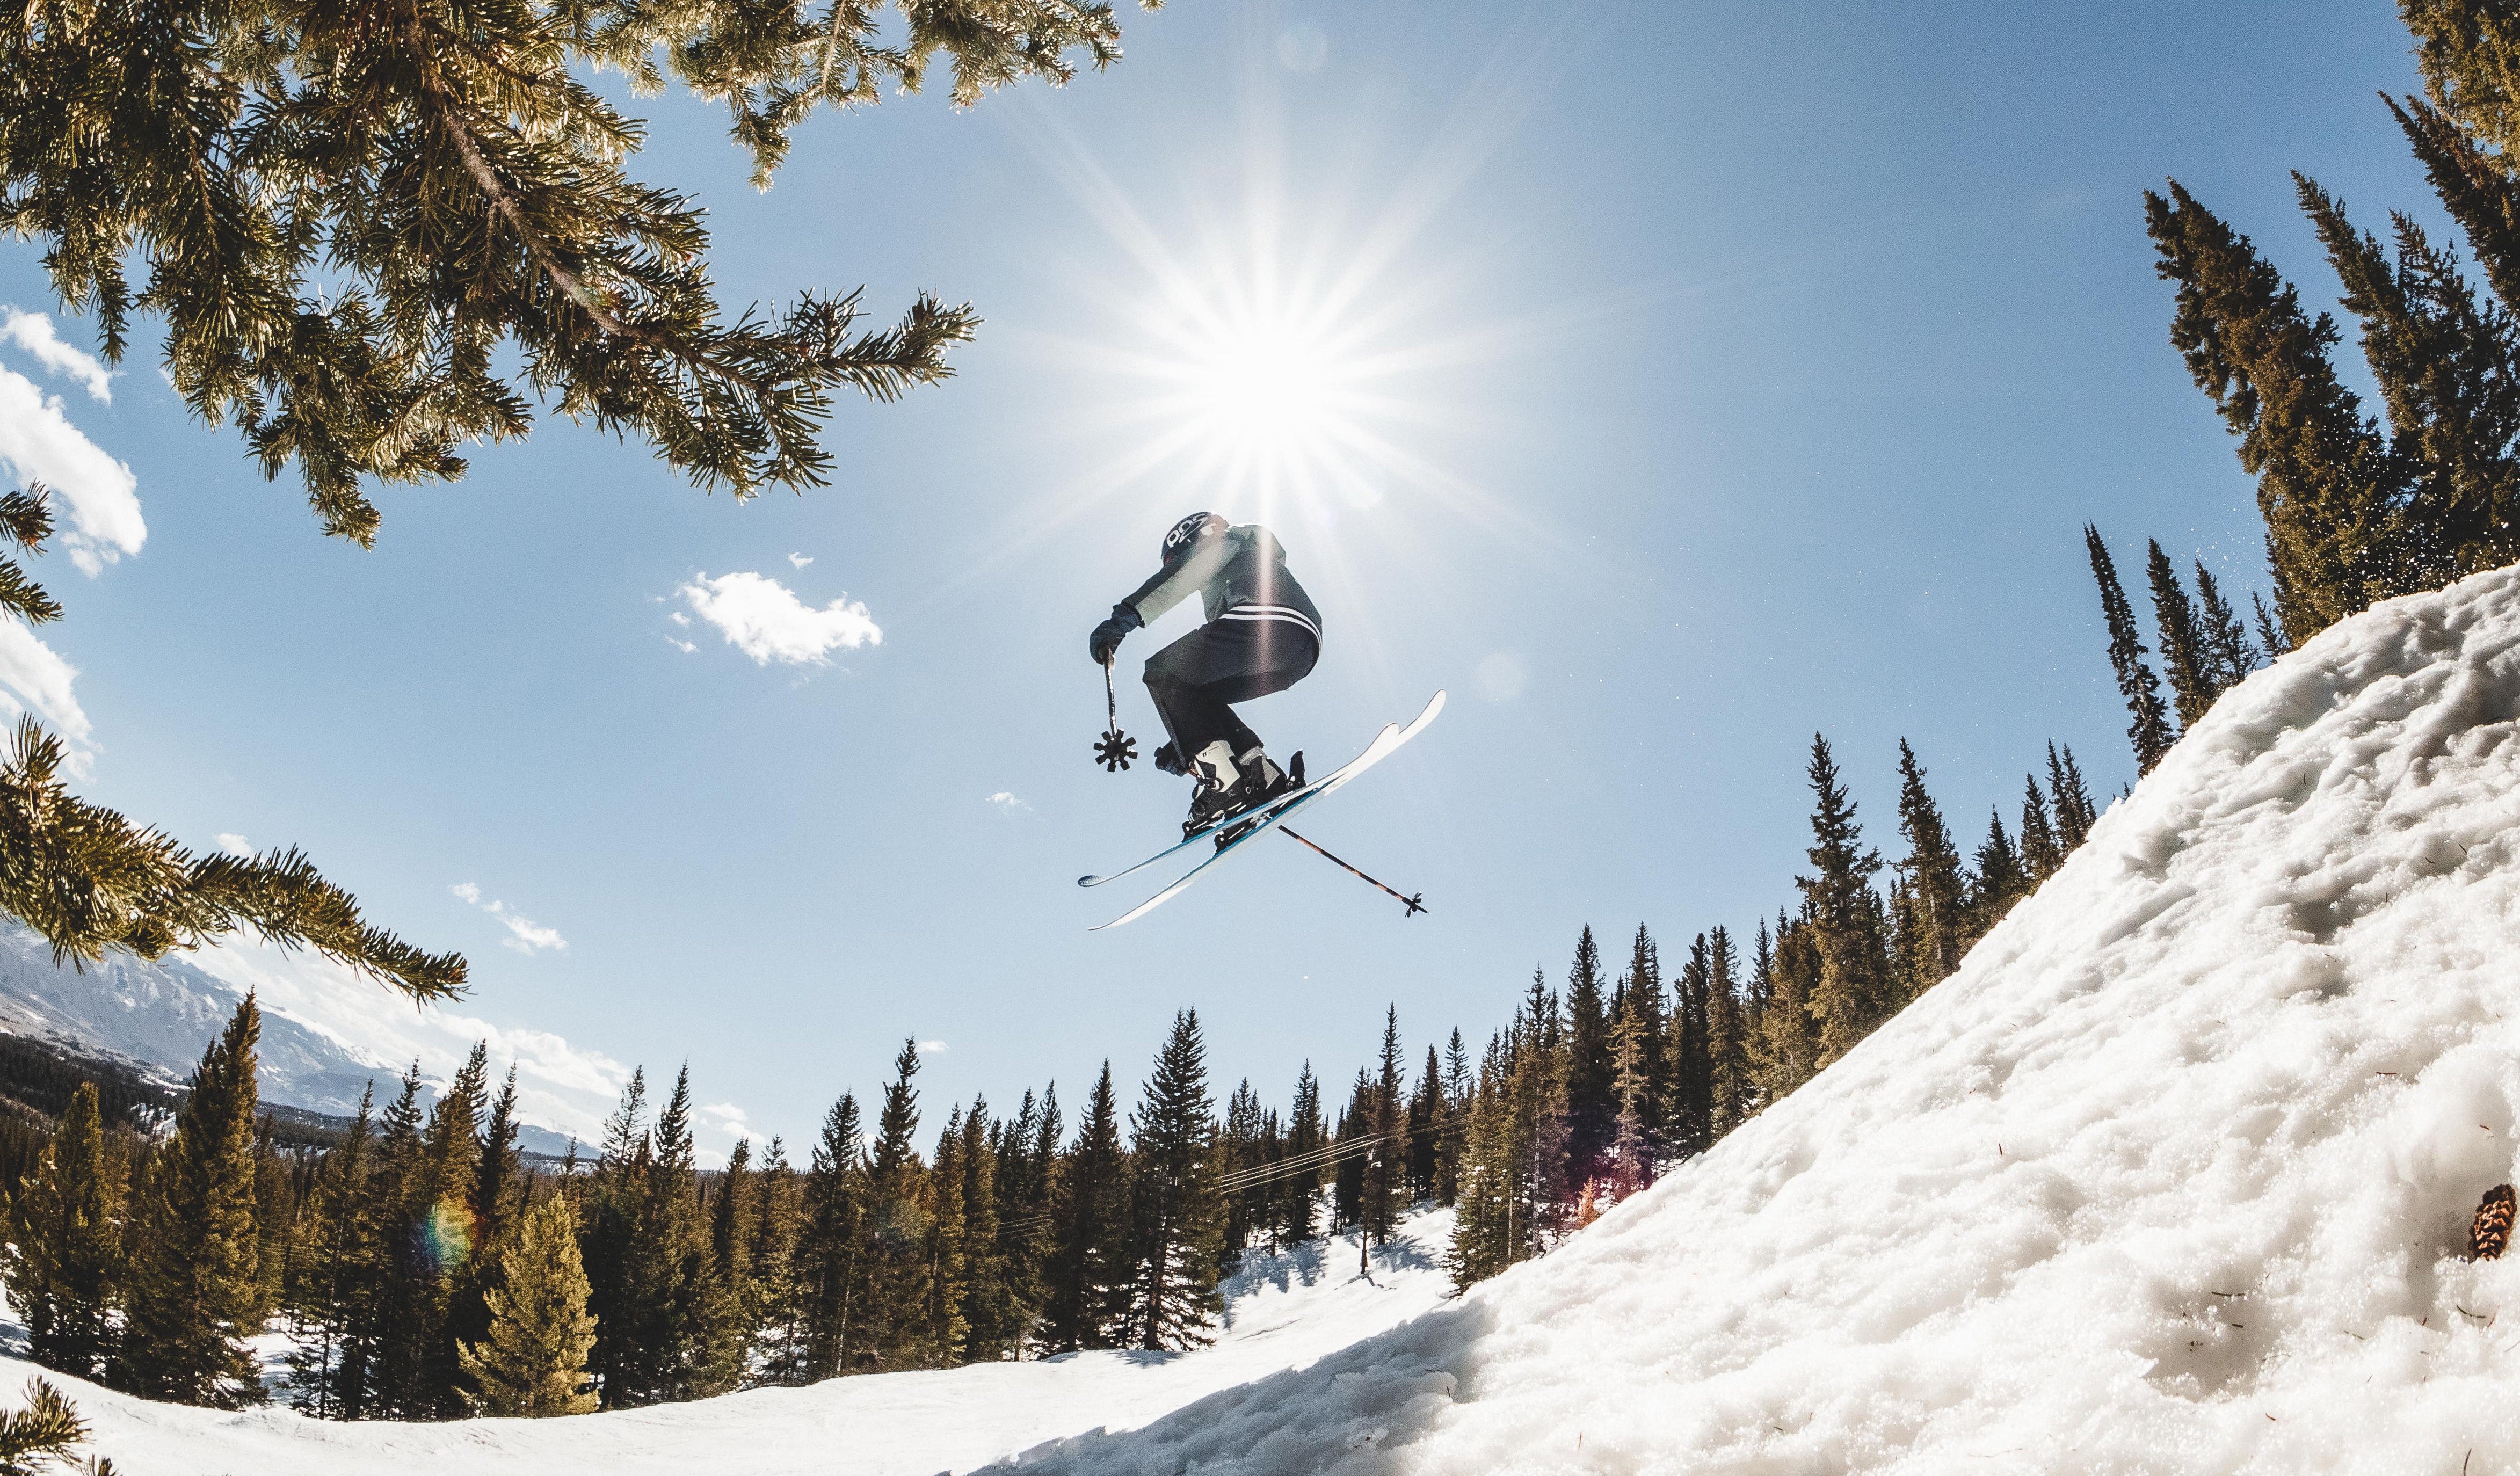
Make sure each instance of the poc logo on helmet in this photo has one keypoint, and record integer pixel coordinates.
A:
(1187, 531)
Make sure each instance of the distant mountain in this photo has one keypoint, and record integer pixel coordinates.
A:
(160, 1016)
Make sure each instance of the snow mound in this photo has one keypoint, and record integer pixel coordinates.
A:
(2174, 1175)
(1281, 1312)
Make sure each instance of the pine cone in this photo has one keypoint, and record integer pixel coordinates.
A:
(2491, 1232)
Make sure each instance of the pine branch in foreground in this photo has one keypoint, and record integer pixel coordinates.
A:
(348, 215)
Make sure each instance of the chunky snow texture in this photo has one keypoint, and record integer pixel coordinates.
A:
(2172, 1176)
(1281, 1312)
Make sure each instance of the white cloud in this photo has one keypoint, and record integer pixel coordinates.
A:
(799, 561)
(725, 1112)
(40, 444)
(679, 618)
(1008, 804)
(685, 647)
(525, 934)
(766, 621)
(233, 843)
(33, 333)
(39, 681)
(931, 1047)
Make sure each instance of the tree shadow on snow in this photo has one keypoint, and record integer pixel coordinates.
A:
(1342, 1415)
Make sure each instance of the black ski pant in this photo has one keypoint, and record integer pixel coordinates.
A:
(1196, 679)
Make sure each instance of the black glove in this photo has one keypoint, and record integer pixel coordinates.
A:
(1104, 643)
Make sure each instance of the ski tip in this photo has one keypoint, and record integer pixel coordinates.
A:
(1086, 880)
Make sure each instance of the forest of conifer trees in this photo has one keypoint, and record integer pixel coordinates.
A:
(423, 1268)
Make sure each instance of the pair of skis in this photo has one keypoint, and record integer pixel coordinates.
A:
(1271, 816)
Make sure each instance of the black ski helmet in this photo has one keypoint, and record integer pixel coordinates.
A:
(1191, 530)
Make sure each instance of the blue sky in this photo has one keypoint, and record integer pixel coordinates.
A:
(1699, 377)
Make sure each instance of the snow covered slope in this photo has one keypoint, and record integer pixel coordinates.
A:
(1282, 1312)
(2172, 1176)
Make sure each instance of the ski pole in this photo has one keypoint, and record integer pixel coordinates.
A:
(1115, 748)
(1416, 904)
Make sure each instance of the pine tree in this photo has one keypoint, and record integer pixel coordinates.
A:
(2069, 799)
(992, 1318)
(2000, 882)
(1176, 1213)
(1793, 1052)
(1089, 1281)
(729, 1301)
(943, 1338)
(1853, 992)
(1642, 984)
(1299, 1186)
(831, 1269)
(1690, 1114)
(1932, 871)
(778, 1230)
(1384, 1196)
(1632, 1149)
(2228, 651)
(2327, 480)
(1591, 1106)
(2194, 681)
(2149, 728)
(1727, 1051)
(898, 1220)
(2446, 364)
(533, 1359)
(1452, 1139)
(64, 1254)
(2041, 851)
(194, 1293)
(2270, 634)
(334, 1305)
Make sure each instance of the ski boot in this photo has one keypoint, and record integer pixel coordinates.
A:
(1262, 781)
(1217, 787)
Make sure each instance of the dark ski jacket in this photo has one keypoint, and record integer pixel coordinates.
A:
(1240, 572)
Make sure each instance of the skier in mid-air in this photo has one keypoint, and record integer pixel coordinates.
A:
(1261, 634)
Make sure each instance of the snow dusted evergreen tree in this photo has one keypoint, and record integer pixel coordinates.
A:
(195, 1292)
(65, 1251)
(2148, 728)
(1692, 1110)
(1176, 1218)
(532, 1361)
